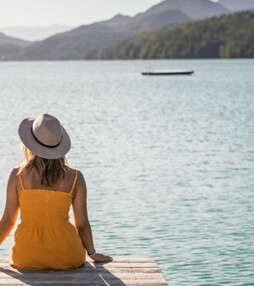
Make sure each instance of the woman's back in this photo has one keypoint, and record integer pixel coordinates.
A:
(32, 180)
(45, 239)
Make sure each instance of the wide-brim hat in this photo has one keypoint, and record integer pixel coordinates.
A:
(44, 136)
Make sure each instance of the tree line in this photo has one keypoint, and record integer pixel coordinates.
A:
(228, 36)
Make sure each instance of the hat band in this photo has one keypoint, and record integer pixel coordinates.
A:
(44, 145)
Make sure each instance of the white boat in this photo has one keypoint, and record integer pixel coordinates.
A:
(168, 72)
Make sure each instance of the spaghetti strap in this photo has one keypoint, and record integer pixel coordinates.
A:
(74, 182)
(20, 179)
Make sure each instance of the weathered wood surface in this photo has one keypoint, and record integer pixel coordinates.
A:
(120, 271)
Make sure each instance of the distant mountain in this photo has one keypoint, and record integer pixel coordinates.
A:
(11, 47)
(74, 44)
(156, 20)
(238, 5)
(195, 9)
(8, 51)
(71, 45)
(228, 36)
(14, 41)
(117, 21)
(35, 33)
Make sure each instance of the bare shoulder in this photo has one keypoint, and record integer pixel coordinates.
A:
(13, 174)
(13, 178)
(81, 191)
(80, 183)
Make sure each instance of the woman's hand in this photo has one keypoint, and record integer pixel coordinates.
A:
(99, 257)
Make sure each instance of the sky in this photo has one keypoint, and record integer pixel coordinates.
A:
(66, 12)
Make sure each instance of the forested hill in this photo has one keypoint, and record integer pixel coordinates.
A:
(229, 36)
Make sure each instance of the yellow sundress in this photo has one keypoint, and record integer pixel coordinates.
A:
(45, 238)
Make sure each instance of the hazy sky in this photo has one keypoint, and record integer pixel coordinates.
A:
(70, 12)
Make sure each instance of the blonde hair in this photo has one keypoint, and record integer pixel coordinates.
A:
(51, 171)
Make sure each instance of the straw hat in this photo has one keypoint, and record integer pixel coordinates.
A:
(44, 136)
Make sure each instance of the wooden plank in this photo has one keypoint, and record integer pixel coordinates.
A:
(122, 265)
(108, 265)
(133, 259)
(62, 276)
(82, 282)
(89, 270)
(121, 271)
(115, 259)
(4, 274)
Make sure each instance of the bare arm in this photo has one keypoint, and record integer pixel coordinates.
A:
(11, 207)
(80, 214)
(82, 223)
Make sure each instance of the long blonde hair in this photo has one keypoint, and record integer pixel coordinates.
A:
(51, 171)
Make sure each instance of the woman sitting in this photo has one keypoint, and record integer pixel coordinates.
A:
(44, 188)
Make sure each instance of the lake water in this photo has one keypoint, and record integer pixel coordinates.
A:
(168, 161)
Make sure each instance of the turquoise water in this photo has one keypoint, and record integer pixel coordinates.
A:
(168, 161)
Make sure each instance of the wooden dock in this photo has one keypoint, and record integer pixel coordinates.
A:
(120, 271)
